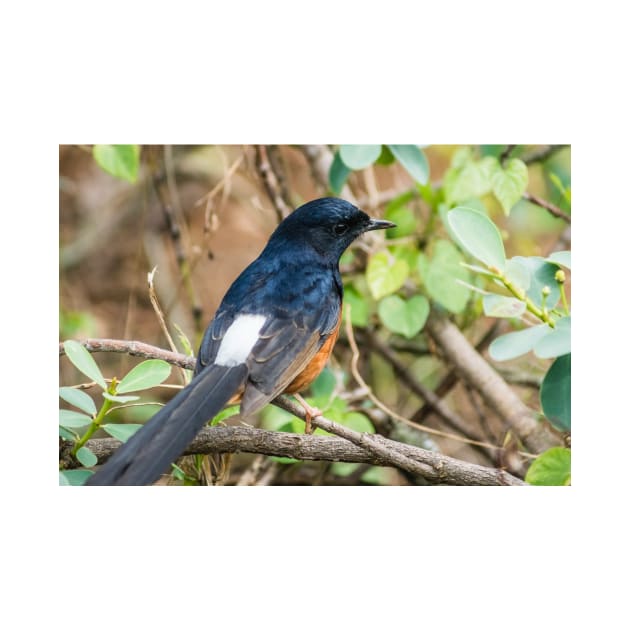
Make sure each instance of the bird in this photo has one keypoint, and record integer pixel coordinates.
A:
(272, 333)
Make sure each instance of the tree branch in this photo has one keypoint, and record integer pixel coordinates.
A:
(375, 449)
(547, 205)
(494, 390)
(222, 439)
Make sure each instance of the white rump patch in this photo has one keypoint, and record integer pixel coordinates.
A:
(239, 340)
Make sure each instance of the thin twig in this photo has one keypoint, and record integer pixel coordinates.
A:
(547, 205)
(270, 182)
(540, 155)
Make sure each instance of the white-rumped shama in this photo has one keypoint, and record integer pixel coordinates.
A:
(272, 334)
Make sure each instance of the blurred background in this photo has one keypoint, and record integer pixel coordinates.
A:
(200, 214)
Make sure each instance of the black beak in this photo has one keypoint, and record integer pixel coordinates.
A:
(379, 224)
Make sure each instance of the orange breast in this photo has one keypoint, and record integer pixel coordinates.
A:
(316, 365)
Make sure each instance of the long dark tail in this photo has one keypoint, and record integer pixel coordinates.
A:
(148, 453)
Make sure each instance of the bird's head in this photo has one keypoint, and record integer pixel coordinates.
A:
(329, 225)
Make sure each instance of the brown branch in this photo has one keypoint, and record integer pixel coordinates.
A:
(540, 155)
(375, 449)
(271, 183)
(222, 439)
(136, 349)
(494, 390)
(547, 205)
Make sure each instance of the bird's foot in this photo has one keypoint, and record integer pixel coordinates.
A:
(310, 413)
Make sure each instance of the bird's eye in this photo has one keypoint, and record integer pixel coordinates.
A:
(340, 228)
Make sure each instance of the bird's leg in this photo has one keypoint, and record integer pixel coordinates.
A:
(310, 413)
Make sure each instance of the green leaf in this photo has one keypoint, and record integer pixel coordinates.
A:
(470, 179)
(74, 477)
(542, 274)
(443, 272)
(78, 398)
(408, 253)
(359, 156)
(478, 235)
(385, 274)
(386, 157)
(557, 342)
(358, 422)
(338, 174)
(67, 435)
(405, 317)
(552, 468)
(359, 310)
(323, 387)
(144, 376)
(562, 258)
(502, 306)
(509, 183)
(121, 432)
(120, 399)
(514, 344)
(226, 413)
(518, 274)
(555, 393)
(83, 361)
(413, 161)
(405, 221)
(86, 457)
(73, 419)
(119, 160)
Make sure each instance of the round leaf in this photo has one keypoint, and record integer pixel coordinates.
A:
(478, 235)
(358, 422)
(83, 361)
(502, 306)
(514, 344)
(385, 274)
(542, 274)
(413, 161)
(121, 432)
(358, 156)
(86, 457)
(144, 376)
(552, 468)
(518, 274)
(338, 174)
(557, 342)
(404, 317)
(441, 276)
(74, 477)
(562, 258)
(78, 398)
(509, 183)
(555, 393)
(73, 419)
(119, 160)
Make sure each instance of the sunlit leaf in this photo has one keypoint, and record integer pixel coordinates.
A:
(442, 275)
(514, 344)
(73, 419)
(385, 274)
(359, 156)
(478, 235)
(413, 161)
(502, 306)
(144, 376)
(119, 160)
(78, 398)
(557, 342)
(509, 183)
(405, 317)
(552, 468)
(562, 258)
(83, 361)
